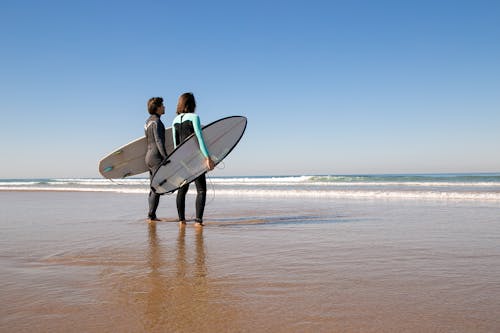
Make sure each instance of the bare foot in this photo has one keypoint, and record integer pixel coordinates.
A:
(182, 223)
(199, 224)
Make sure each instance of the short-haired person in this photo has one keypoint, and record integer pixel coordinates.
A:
(156, 152)
(186, 123)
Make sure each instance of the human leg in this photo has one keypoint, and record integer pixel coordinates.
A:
(153, 199)
(181, 202)
(201, 188)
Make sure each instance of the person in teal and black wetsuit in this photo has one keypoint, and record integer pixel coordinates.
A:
(186, 123)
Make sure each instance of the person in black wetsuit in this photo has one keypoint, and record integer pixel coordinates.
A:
(185, 124)
(156, 152)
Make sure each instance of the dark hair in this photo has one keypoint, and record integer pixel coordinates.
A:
(186, 103)
(154, 103)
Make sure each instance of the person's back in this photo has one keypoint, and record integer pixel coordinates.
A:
(155, 138)
(186, 124)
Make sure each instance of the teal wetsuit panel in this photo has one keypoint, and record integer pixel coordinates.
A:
(184, 125)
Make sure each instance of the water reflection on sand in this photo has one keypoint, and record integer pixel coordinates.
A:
(259, 265)
(174, 292)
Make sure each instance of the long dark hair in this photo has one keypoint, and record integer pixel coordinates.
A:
(186, 103)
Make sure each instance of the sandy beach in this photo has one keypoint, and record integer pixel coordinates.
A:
(88, 262)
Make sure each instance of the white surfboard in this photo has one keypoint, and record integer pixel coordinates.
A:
(129, 160)
(186, 163)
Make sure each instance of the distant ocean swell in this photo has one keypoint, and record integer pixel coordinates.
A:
(476, 187)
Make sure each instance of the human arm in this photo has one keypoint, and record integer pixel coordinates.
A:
(174, 133)
(159, 137)
(203, 147)
(199, 134)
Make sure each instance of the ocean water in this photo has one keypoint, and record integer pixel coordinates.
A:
(475, 187)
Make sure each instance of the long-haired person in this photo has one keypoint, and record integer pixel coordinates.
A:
(186, 123)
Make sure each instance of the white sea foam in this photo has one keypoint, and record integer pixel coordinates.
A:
(432, 195)
(362, 187)
(103, 182)
(18, 183)
(342, 181)
(276, 182)
(76, 189)
(326, 194)
(263, 180)
(333, 181)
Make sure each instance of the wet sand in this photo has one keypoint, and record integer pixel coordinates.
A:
(88, 262)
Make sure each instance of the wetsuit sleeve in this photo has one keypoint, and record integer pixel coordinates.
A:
(174, 133)
(158, 139)
(199, 135)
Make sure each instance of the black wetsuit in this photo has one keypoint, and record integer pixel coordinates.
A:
(156, 153)
(183, 126)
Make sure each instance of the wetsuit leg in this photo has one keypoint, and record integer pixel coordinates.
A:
(153, 199)
(181, 202)
(201, 196)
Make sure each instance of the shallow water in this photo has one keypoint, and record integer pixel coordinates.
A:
(89, 262)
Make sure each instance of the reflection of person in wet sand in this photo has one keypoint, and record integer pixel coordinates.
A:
(201, 268)
(179, 296)
(181, 254)
(158, 293)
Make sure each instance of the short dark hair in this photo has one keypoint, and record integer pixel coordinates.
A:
(154, 103)
(186, 103)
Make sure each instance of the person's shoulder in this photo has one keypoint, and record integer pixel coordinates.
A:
(193, 116)
(176, 118)
(186, 116)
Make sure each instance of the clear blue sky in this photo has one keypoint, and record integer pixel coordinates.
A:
(329, 87)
